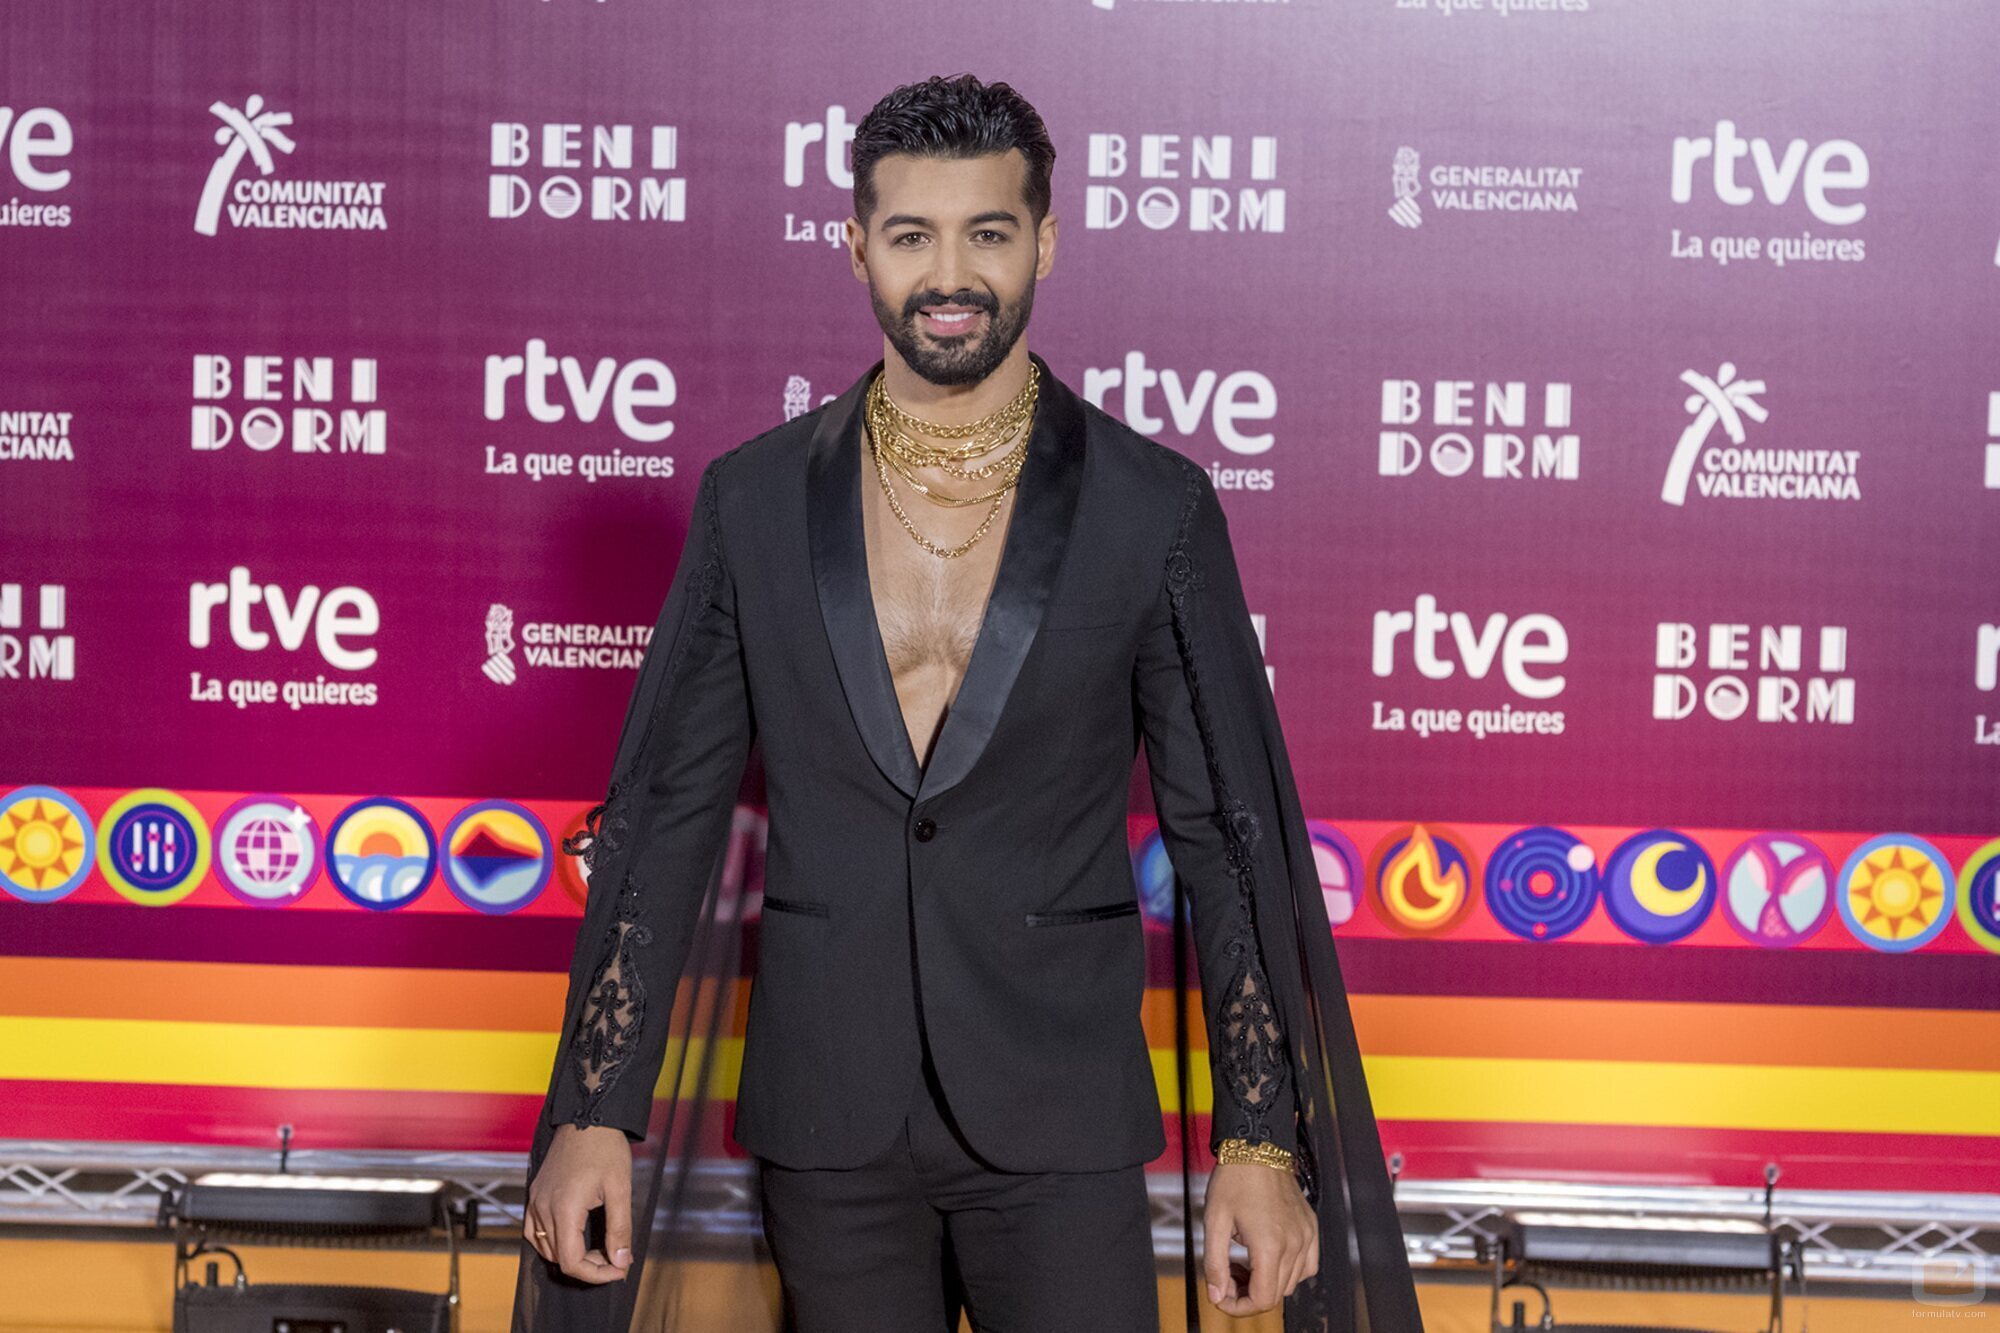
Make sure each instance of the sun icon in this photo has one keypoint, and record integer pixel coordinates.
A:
(45, 847)
(1897, 893)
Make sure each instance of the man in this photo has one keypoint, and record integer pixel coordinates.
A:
(949, 604)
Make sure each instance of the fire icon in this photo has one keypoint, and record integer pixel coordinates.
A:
(1421, 877)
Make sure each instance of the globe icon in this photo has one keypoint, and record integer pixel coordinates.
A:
(267, 853)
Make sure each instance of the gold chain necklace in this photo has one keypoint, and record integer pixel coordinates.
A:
(1001, 419)
(890, 442)
(908, 453)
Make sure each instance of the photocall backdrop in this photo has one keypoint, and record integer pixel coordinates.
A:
(1603, 395)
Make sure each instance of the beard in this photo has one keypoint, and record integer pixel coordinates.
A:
(964, 358)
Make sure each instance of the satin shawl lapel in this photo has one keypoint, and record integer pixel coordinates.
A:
(840, 570)
(1037, 534)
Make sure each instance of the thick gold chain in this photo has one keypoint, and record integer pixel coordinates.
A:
(997, 424)
(890, 443)
(896, 428)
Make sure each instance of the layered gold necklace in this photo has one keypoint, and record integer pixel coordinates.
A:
(892, 438)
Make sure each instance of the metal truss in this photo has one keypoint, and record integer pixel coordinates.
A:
(1844, 1237)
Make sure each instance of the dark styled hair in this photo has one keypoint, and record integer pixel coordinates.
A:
(952, 117)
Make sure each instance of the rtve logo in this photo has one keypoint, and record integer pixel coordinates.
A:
(833, 134)
(1441, 642)
(32, 144)
(331, 618)
(1836, 165)
(31, 137)
(1221, 402)
(1179, 199)
(639, 384)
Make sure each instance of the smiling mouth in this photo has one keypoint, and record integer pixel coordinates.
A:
(950, 321)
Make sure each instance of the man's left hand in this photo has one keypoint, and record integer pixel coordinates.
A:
(1265, 1209)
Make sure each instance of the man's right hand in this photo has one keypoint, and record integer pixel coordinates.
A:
(584, 1167)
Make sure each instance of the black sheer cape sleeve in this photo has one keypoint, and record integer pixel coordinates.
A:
(654, 910)
(1284, 1063)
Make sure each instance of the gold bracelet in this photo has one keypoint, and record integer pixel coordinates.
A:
(1243, 1150)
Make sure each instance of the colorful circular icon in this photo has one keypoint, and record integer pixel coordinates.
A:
(497, 856)
(153, 846)
(1777, 890)
(1979, 896)
(1421, 877)
(1541, 883)
(1155, 874)
(1659, 886)
(1341, 871)
(381, 854)
(267, 851)
(1895, 892)
(571, 872)
(47, 844)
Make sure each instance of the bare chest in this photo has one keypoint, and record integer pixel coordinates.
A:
(929, 609)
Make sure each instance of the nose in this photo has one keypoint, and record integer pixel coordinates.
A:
(951, 273)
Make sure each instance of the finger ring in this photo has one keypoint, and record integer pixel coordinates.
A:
(541, 1234)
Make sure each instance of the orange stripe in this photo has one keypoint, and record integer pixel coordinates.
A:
(1746, 1034)
(1389, 1025)
(388, 997)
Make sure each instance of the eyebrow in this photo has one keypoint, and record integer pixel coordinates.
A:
(990, 215)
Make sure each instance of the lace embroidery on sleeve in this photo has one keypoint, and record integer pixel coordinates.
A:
(1253, 1061)
(614, 1008)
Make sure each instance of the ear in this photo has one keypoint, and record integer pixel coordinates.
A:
(857, 248)
(1045, 245)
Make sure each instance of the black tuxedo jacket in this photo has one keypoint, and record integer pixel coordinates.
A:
(988, 895)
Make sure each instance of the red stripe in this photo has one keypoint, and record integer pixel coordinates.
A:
(322, 1118)
(1919, 1163)
(249, 1117)
(1561, 970)
(1432, 1150)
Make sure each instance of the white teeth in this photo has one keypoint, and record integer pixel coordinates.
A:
(954, 319)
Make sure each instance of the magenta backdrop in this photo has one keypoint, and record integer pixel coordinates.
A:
(1430, 215)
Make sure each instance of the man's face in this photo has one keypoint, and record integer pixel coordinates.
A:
(951, 260)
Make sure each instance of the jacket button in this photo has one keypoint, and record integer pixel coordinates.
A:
(926, 829)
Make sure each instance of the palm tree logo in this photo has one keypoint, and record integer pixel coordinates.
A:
(252, 131)
(1725, 401)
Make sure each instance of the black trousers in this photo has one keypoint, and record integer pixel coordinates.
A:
(895, 1245)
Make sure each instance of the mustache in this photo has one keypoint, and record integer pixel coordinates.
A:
(964, 296)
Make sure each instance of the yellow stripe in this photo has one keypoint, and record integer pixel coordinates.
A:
(114, 1050)
(365, 1059)
(1712, 1096)
(243, 1055)
(1607, 1092)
